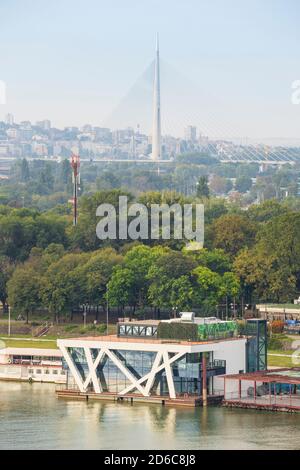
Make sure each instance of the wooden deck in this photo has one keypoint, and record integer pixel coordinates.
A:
(189, 401)
(284, 403)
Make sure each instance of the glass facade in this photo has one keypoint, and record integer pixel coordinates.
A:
(187, 371)
(139, 363)
(79, 359)
(256, 357)
(187, 374)
(136, 330)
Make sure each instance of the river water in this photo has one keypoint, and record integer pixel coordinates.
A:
(31, 417)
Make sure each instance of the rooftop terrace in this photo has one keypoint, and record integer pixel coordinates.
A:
(145, 339)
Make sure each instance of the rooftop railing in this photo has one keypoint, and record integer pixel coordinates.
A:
(146, 339)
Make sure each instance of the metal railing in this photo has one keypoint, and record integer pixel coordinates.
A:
(215, 364)
(268, 400)
(42, 330)
(145, 340)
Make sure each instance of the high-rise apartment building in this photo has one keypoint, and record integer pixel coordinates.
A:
(9, 119)
(190, 133)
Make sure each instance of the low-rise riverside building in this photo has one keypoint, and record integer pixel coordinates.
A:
(179, 360)
(32, 365)
(279, 312)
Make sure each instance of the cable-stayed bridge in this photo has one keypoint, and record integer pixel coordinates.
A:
(260, 154)
(183, 104)
(165, 94)
(248, 158)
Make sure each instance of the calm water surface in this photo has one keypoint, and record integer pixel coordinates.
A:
(31, 417)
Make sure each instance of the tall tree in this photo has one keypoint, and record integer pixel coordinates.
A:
(135, 269)
(266, 211)
(232, 232)
(23, 290)
(207, 287)
(182, 294)
(95, 274)
(216, 260)
(61, 287)
(243, 184)
(220, 185)
(6, 270)
(65, 172)
(25, 173)
(121, 288)
(170, 266)
(263, 277)
(202, 187)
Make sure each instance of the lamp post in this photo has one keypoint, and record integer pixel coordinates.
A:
(84, 315)
(107, 308)
(204, 380)
(9, 320)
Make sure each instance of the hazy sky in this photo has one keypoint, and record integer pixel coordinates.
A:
(72, 61)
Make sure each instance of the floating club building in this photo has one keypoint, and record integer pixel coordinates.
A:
(178, 360)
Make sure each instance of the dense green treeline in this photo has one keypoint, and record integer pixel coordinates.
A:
(47, 263)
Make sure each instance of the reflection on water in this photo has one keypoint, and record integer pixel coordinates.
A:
(32, 417)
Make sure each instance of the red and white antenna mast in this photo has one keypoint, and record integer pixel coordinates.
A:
(75, 164)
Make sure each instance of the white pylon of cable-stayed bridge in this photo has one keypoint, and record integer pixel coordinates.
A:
(156, 128)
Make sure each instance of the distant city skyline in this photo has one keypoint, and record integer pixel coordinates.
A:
(72, 62)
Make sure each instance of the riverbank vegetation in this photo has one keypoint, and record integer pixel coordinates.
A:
(51, 269)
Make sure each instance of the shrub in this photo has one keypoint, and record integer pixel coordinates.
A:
(69, 328)
(177, 331)
(279, 342)
(100, 329)
(274, 343)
